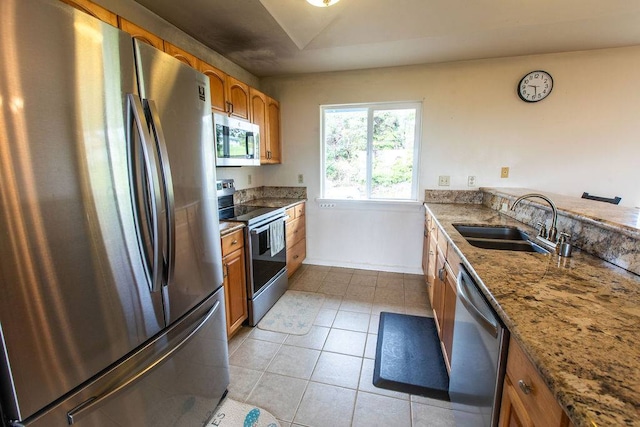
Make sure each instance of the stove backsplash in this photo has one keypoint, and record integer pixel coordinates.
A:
(249, 194)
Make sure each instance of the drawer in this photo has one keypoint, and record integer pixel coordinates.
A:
(295, 256)
(291, 213)
(295, 212)
(295, 231)
(232, 242)
(442, 241)
(531, 389)
(453, 259)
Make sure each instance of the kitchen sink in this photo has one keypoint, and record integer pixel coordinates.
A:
(491, 232)
(500, 238)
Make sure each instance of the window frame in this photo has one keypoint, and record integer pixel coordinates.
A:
(371, 107)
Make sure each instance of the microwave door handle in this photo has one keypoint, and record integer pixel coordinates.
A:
(140, 121)
(167, 181)
(226, 151)
(248, 136)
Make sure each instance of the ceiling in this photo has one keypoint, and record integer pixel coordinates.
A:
(275, 37)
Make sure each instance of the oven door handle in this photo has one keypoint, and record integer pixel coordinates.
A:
(266, 227)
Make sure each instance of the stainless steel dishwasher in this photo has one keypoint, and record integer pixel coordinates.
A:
(478, 357)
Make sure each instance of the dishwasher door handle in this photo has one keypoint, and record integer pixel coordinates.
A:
(463, 284)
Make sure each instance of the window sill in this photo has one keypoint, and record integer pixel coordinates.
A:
(382, 204)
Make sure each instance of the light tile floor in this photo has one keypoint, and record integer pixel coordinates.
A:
(324, 378)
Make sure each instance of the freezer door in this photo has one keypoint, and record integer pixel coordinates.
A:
(74, 294)
(177, 379)
(177, 103)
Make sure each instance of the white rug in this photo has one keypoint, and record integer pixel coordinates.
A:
(293, 313)
(232, 413)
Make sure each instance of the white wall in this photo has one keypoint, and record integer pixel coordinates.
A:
(584, 137)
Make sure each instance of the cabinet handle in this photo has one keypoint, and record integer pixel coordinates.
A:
(235, 242)
(526, 389)
(441, 274)
(431, 253)
(296, 256)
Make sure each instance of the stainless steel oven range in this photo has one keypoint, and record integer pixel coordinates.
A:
(266, 256)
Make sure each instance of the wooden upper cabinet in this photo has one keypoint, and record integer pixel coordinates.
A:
(140, 33)
(180, 54)
(94, 10)
(273, 125)
(238, 97)
(259, 117)
(217, 81)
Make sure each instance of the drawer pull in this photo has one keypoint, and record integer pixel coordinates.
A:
(234, 242)
(296, 256)
(526, 389)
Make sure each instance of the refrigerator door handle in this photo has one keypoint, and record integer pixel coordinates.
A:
(135, 107)
(93, 403)
(156, 128)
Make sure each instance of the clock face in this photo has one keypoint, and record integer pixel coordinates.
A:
(535, 86)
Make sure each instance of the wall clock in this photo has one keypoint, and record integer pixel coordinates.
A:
(535, 86)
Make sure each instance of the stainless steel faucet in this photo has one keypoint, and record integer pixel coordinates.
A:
(553, 231)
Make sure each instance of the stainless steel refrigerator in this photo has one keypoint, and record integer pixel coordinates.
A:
(111, 298)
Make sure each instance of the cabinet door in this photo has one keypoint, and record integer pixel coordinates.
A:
(181, 55)
(140, 33)
(512, 411)
(238, 97)
(259, 117)
(235, 290)
(94, 10)
(217, 82)
(273, 143)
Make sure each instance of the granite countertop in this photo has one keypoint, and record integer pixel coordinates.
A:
(618, 218)
(274, 202)
(228, 227)
(577, 318)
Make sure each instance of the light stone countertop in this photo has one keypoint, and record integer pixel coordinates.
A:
(228, 227)
(578, 318)
(275, 202)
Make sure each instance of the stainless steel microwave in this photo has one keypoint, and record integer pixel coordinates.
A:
(237, 141)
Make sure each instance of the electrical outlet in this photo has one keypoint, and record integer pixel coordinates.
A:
(504, 172)
(443, 180)
(327, 205)
(300, 178)
(471, 181)
(249, 178)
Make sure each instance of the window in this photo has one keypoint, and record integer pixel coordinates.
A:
(370, 151)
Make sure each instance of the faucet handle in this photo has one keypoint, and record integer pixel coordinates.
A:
(543, 230)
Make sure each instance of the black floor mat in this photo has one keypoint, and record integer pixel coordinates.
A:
(409, 358)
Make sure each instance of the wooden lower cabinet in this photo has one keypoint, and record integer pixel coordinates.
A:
(235, 283)
(526, 400)
(296, 237)
(441, 279)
